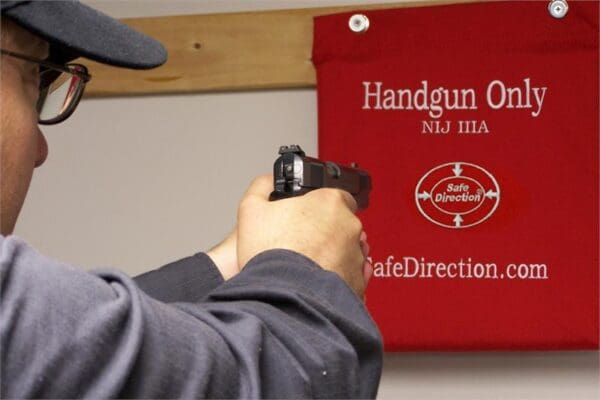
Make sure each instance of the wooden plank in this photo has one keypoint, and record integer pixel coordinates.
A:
(222, 52)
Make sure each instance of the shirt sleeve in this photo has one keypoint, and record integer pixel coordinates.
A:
(283, 327)
(187, 280)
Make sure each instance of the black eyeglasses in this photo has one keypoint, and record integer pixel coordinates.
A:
(61, 88)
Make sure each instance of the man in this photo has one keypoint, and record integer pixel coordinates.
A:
(287, 322)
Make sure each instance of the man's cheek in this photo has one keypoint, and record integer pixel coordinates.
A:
(21, 97)
(20, 129)
(32, 93)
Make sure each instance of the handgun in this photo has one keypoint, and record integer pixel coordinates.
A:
(295, 174)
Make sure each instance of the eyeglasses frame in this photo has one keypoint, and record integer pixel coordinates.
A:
(68, 68)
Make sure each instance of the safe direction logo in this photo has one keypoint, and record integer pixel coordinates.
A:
(457, 195)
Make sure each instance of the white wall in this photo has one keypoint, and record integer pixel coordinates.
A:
(136, 182)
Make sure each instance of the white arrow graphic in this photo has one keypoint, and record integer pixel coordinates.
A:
(423, 196)
(457, 170)
(490, 193)
(457, 220)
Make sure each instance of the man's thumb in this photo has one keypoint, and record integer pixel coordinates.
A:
(261, 187)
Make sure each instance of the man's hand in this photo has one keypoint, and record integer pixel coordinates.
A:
(320, 225)
(224, 255)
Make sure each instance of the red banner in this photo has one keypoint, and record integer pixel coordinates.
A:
(478, 123)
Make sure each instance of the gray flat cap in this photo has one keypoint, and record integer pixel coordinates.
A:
(76, 30)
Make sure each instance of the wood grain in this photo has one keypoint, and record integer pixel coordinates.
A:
(225, 52)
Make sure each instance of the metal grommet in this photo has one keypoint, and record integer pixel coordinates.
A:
(358, 23)
(558, 8)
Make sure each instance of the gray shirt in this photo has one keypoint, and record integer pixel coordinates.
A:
(283, 327)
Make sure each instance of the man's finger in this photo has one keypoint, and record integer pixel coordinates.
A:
(364, 246)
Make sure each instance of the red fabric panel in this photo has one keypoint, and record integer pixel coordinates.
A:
(514, 193)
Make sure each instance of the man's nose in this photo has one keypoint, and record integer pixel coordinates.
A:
(42, 149)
